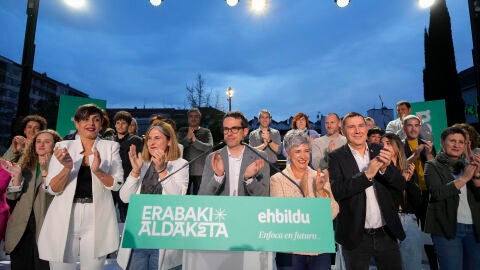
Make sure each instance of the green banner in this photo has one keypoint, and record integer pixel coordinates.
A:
(67, 108)
(229, 223)
(433, 114)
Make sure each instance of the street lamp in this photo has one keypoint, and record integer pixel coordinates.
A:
(229, 98)
(342, 3)
(23, 105)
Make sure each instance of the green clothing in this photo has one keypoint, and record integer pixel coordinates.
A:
(444, 199)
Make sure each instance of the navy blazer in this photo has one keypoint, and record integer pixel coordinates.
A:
(348, 187)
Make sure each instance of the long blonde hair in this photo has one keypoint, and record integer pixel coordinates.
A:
(29, 159)
(172, 151)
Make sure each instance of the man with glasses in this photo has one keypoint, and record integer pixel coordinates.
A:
(196, 140)
(266, 139)
(235, 170)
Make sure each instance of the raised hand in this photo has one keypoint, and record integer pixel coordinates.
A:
(217, 164)
(191, 134)
(331, 146)
(18, 144)
(135, 160)
(159, 160)
(321, 179)
(408, 173)
(385, 156)
(44, 160)
(63, 157)
(253, 169)
(95, 166)
(13, 169)
(266, 136)
(428, 147)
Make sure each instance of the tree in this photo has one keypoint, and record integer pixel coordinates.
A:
(197, 95)
(440, 77)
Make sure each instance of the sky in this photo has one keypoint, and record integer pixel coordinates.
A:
(298, 56)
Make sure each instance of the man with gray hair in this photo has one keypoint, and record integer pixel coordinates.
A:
(196, 140)
(266, 138)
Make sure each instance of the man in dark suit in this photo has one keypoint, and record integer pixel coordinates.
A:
(196, 140)
(235, 170)
(362, 177)
(122, 120)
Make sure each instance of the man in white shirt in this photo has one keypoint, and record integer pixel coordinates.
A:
(327, 143)
(235, 170)
(396, 126)
(362, 178)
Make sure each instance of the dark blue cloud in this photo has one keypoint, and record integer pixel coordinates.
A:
(304, 55)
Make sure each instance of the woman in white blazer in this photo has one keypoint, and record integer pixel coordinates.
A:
(81, 218)
(150, 174)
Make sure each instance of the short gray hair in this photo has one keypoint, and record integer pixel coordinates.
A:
(294, 138)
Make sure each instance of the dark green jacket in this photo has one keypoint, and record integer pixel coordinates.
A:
(444, 199)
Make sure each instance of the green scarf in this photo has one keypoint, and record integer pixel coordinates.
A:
(455, 166)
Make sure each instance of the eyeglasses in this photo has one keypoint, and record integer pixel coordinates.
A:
(234, 130)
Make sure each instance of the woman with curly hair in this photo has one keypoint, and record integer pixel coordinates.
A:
(27, 188)
(31, 124)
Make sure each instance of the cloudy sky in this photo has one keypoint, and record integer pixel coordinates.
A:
(299, 55)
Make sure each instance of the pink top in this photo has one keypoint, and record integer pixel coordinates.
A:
(4, 208)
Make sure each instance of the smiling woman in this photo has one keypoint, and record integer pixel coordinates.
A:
(78, 4)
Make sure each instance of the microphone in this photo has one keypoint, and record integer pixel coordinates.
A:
(272, 165)
(214, 148)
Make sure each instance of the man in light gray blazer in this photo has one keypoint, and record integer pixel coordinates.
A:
(235, 170)
(196, 141)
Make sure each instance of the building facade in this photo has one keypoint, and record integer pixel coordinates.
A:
(44, 98)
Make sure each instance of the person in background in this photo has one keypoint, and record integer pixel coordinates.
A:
(370, 122)
(5, 176)
(266, 139)
(300, 121)
(150, 174)
(404, 108)
(196, 141)
(472, 139)
(408, 203)
(122, 120)
(133, 127)
(453, 215)
(107, 132)
(28, 189)
(374, 135)
(328, 142)
(31, 125)
(419, 151)
(307, 183)
(81, 220)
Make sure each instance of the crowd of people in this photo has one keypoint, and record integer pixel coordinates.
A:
(392, 194)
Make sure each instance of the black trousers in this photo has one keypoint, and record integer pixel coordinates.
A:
(381, 246)
(25, 254)
(122, 207)
(194, 184)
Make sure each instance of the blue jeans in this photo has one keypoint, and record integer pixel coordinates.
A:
(289, 261)
(143, 259)
(462, 252)
(411, 247)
